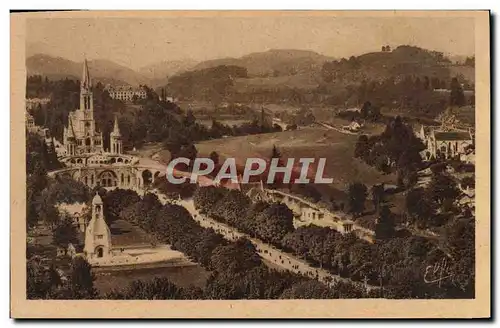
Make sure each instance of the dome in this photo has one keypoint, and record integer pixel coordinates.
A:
(97, 199)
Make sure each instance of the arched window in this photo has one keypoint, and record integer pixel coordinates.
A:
(108, 179)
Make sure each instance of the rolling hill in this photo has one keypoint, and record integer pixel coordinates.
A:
(161, 71)
(378, 66)
(101, 70)
(274, 62)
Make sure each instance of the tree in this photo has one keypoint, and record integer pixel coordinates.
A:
(274, 222)
(47, 212)
(362, 148)
(214, 156)
(427, 83)
(157, 289)
(458, 239)
(418, 207)
(189, 151)
(384, 228)
(190, 119)
(377, 195)
(116, 201)
(82, 279)
(205, 198)
(457, 97)
(65, 232)
(311, 289)
(366, 109)
(275, 153)
(235, 258)
(357, 197)
(468, 182)
(407, 177)
(442, 187)
(37, 286)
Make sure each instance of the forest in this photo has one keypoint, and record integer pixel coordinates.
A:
(396, 262)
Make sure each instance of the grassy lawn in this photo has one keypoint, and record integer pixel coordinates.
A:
(123, 233)
(314, 142)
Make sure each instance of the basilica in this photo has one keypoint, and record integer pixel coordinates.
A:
(85, 157)
(81, 135)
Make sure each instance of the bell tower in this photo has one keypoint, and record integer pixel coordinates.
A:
(97, 235)
(116, 139)
(86, 99)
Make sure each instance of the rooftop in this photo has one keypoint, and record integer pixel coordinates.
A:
(123, 88)
(453, 135)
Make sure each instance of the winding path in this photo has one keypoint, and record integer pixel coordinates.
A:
(276, 256)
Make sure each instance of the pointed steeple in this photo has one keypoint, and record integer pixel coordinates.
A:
(116, 139)
(86, 82)
(116, 128)
(71, 130)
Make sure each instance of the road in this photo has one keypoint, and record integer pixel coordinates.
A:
(330, 127)
(276, 256)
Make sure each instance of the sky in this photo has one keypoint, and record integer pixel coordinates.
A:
(137, 42)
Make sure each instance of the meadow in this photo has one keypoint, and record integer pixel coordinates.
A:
(312, 142)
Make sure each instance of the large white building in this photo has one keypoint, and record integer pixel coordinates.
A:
(126, 93)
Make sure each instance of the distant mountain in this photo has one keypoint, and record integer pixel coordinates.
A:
(212, 83)
(161, 71)
(274, 62)
(101, 70)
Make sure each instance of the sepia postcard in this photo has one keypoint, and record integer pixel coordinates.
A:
(250, 164)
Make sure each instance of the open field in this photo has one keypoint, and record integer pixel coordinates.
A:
(313, 142)
(124, 233)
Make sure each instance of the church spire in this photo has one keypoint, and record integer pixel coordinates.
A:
(116, 128)
(86, 100)
(86, 82)
(116, 139)
(71, 130)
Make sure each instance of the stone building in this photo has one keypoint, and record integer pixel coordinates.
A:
(116, 146)
(81, 135)
(97, 234)
(444, 143)
(34, 103)
(30, 122)
(126, 93)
